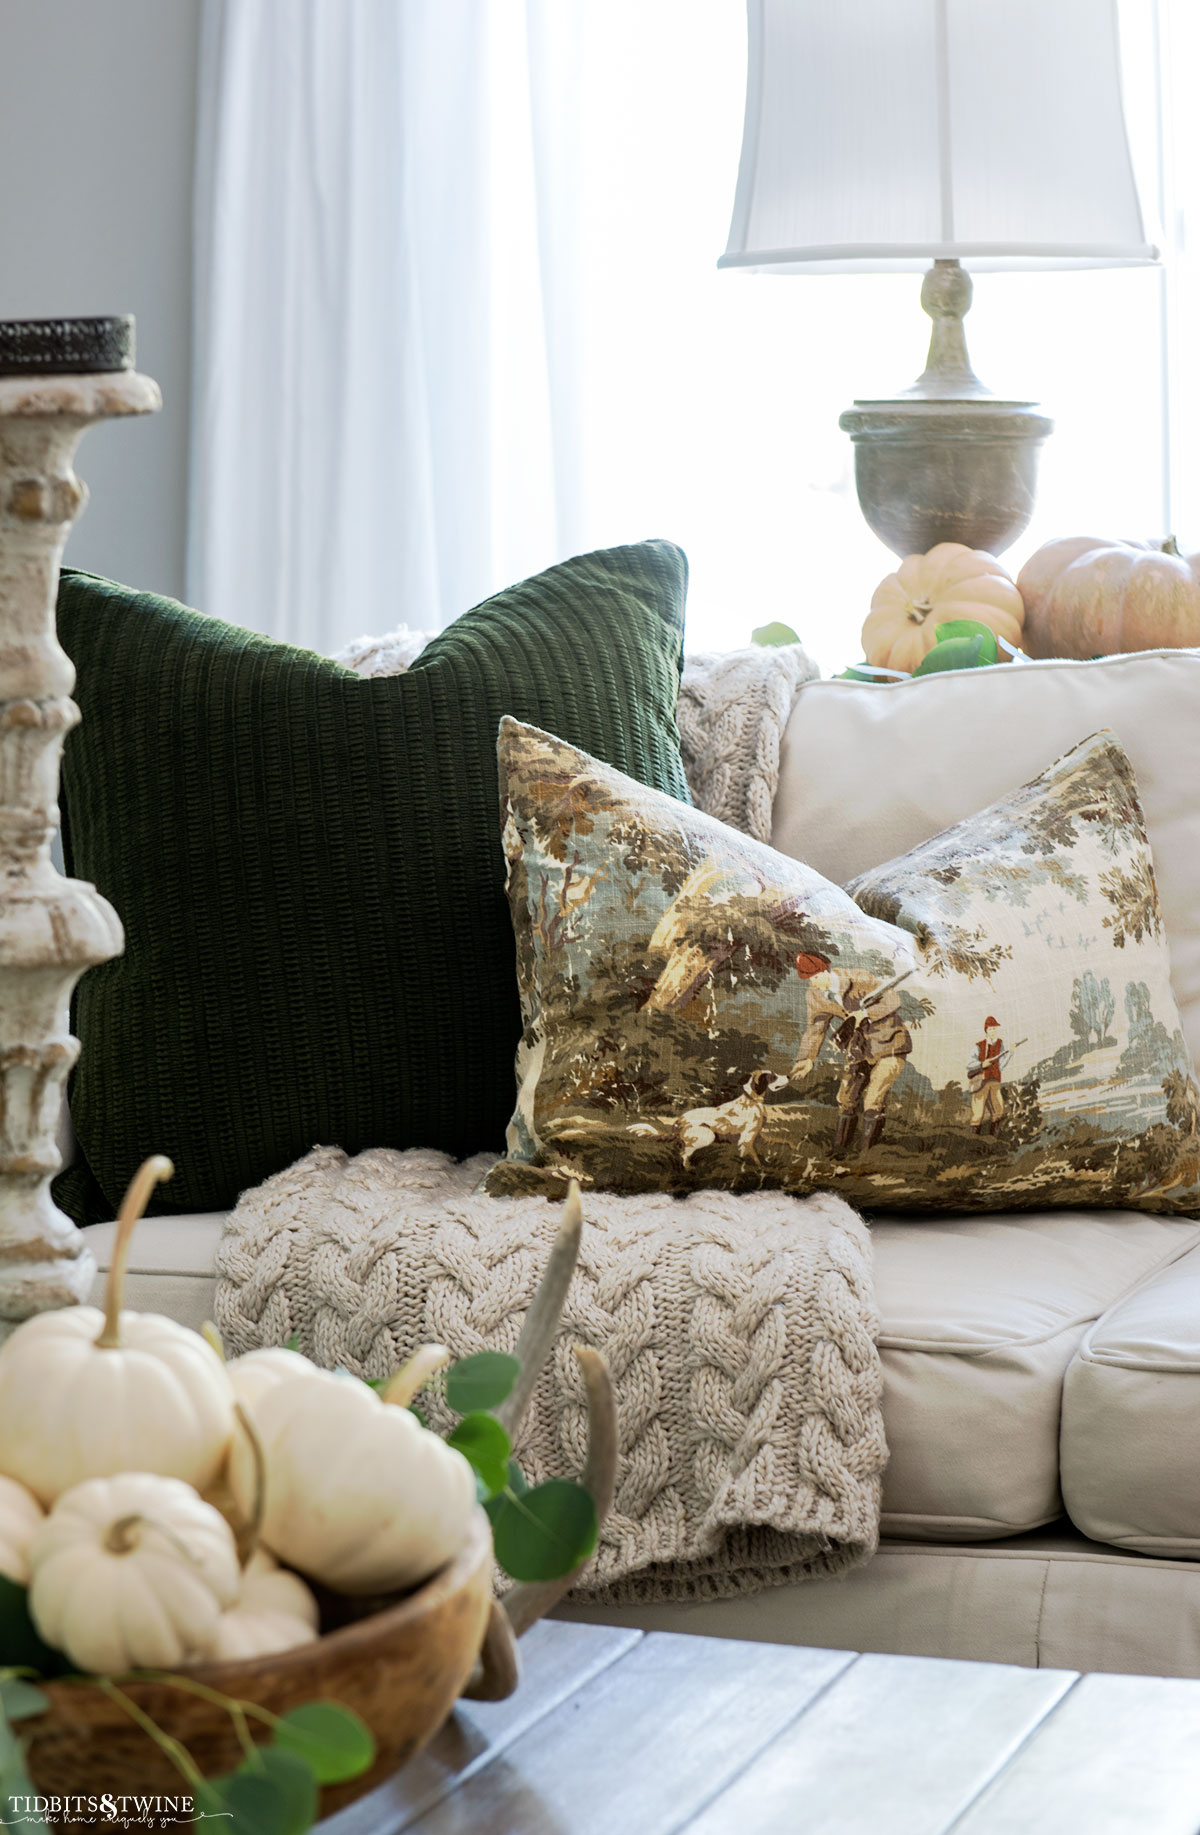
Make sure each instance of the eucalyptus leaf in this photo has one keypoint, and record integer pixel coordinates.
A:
(481, 1440)
(20, 1645)
(482, 1381)
(773, 636)
(20, 1699)
(545, 1533)
(517, 1481)
(330, 1739)
(273, 1794)
(14, 1778)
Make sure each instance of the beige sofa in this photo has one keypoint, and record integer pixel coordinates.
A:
(1042, 1369)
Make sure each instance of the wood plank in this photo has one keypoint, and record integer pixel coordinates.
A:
(1119, 1756)
(898, 1743)
(554, 1667)
(639, 1749)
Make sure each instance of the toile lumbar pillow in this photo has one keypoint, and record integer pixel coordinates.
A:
(985, 1023)
(308, 868)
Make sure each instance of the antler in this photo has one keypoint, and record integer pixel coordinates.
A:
(545, 1313)
(499, 1667)
(531, 1600)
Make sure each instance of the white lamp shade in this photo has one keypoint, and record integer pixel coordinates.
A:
(882, 133)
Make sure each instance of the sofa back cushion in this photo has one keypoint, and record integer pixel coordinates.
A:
(867, 770)
(309, 872)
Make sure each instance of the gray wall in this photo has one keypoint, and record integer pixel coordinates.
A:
(97, 127)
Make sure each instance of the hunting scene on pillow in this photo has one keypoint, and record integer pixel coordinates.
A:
(987, 1022)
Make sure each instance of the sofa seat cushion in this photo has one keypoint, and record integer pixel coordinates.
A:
(980, 1320)
(172, 1266)
(1051, 1600)
(1130, 1452)
(981, 1317)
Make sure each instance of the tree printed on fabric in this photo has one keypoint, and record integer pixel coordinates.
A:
(946, 1033)
(1092, 1009)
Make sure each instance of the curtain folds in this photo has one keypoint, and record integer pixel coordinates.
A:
(458, 316)
(382, 428)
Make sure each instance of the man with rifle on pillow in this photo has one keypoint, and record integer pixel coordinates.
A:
(985, 1077)
(867, 1029)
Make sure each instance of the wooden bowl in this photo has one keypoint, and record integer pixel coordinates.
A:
(401, 1669)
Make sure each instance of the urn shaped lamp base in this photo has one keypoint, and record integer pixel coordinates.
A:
(57, 378)
(946, 461)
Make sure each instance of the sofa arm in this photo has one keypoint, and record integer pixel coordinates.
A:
(1130, 1437)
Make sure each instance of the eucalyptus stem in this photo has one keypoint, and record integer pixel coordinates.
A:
(178, 1754)
(203, 1692)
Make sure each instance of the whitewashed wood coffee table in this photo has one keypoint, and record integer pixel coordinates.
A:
(616, 1733)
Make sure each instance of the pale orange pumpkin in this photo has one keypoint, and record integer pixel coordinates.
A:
(1088, 597)
(949, 582)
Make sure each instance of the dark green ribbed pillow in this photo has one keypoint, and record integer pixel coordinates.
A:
(308, 867)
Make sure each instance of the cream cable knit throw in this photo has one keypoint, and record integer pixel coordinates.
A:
(733, 707)
(740, 1333)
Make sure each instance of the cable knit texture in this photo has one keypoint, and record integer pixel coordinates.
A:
(740, 1333)
(733, 707)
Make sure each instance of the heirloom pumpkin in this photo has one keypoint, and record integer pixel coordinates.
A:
(131, 1572)
(358, 1494)
(21, 1517)
(1088, 597)
(948, 583)
(86, 1394)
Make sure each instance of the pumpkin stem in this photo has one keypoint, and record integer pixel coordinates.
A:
(412, 1377)
(1170, 546)
(121, 1538)
(212, 1337)
(254, 1530)
(919, 611)
(124, 1535)
(147, 1176)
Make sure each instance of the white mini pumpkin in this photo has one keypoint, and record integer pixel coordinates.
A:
(20, 1517)
(274, 1611)
(85, 1393)
(252, 1374)
(358, 1494)
(131, 1572)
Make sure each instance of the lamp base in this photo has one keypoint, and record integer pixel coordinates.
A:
(946, 471)
(946, 461)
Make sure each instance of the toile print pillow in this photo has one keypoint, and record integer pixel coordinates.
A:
(986, 1023)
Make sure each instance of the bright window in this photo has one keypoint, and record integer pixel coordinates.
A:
(706, 403)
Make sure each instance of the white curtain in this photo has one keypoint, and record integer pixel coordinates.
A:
(382, 419)
(459, 316)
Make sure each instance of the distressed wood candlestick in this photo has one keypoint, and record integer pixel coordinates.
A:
(51, 928)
